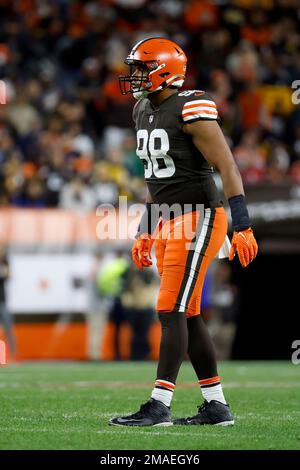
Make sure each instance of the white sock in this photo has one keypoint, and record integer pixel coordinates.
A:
(212, 389)
(163, 391)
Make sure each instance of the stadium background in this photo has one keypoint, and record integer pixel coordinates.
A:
(67, 146)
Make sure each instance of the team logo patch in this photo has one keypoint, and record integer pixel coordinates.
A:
(151, 118)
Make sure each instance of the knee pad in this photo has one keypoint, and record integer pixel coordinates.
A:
(166, 301)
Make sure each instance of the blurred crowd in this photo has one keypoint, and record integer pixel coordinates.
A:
(66, 133)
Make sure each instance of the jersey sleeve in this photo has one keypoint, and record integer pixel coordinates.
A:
(197, 109)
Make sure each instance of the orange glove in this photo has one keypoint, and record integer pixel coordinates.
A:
(245, 245)
(141, 251)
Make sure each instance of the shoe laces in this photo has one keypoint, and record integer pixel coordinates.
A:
(144, 410)
(203, 406)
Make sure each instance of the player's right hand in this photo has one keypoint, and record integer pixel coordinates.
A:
(244, 244)
(141, 251)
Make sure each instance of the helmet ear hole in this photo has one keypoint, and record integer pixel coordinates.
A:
(152, 65)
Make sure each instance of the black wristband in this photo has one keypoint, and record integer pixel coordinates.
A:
(149, 220)
(239, 213)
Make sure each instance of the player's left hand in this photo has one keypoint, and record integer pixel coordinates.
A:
(141, 251)
(244, 244)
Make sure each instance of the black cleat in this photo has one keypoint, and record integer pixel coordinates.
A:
(152, 413)
(213, 412)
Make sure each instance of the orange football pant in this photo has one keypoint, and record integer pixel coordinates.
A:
(185, 246)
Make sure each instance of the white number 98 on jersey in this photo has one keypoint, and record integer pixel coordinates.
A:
(152, 148)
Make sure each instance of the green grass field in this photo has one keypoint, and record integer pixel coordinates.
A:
(68, 405)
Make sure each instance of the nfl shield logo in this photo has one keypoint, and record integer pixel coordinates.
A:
(150, 118)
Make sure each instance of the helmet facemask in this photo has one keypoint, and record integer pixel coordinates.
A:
(137, 82)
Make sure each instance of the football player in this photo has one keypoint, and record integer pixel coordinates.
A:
(180, 142)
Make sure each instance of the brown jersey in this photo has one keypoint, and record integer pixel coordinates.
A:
(175, 170)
